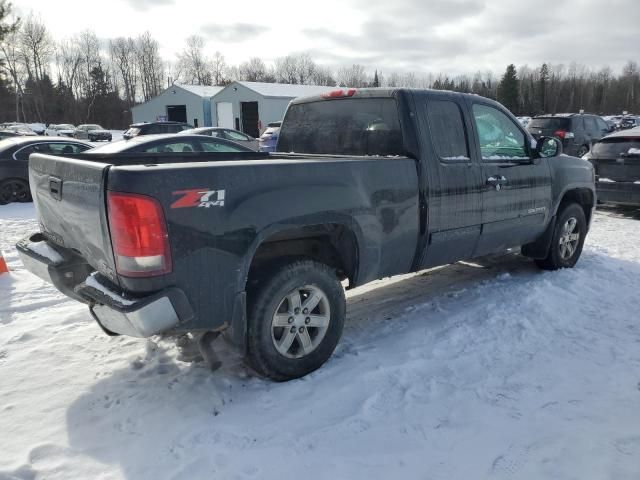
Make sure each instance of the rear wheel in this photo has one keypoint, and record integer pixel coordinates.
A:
(296, 315)
(14, 190)
(568, 238)
(583, 150)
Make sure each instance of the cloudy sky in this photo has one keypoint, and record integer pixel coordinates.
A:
(452, 36)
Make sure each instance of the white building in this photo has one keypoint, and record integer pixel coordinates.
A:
(245, 106)
(250, 106)
(178, 103)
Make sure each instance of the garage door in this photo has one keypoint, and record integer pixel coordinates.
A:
(224, 112)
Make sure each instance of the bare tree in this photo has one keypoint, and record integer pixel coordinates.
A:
(286, 69)
(353, 76)
(323, 76)
(12, 65)
(253, 70)
(194, 65)
(218, 68)
(305, 68)
(123, 56)
(150, 66)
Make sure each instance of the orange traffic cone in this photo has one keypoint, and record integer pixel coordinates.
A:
(3, 264)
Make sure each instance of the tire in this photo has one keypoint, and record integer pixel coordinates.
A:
(565, 248)
(14, 190)
(583, 150)
(91, 139)
(276, 342)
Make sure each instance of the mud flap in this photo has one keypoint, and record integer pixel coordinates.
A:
(540, 248)
(205, 344)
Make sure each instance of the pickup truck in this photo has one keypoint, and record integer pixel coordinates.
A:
(365, 184)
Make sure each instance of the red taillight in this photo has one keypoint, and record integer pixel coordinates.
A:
(562, 134)
(138, 235)
(340, 93)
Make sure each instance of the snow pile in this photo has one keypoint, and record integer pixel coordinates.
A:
(485, 369)
(46, 251)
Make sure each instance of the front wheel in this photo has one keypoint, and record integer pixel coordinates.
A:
(295, 319)
(568, 238)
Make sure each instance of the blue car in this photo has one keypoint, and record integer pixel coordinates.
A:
(269, 138)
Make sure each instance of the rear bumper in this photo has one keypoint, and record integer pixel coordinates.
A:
(622, 193)
(115, 312)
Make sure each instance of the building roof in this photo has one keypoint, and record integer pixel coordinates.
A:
(201, 90)
(285, 90)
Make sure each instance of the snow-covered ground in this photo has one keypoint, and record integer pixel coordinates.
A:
(487, 369)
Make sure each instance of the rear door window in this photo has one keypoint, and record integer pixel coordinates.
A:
(67, 148)
(213, 146)
(237, 136)
(175, 146)
(346, 126)
(23, 153)
(448, 132)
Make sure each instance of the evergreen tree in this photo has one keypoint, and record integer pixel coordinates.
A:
(542, 87)
(508, 89)
(376, 81)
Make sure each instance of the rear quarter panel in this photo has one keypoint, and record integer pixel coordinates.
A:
(212, 247)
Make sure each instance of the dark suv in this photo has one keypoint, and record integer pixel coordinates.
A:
(149, 128)
(576, 131)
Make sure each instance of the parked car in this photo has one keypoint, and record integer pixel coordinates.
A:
(61, 130)
(629, 122)
(576, 131)
(14, 156)
(226, 133)
(616, 160)
(524, 120)
(382, 182)
(153, 128)
(20, 129)
(170, 143)
(269, 138)
(92, 132)
(37, 128)
(7, 134)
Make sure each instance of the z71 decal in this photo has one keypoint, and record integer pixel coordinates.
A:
(198, 197)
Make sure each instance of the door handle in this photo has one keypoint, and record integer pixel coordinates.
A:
(497, 181)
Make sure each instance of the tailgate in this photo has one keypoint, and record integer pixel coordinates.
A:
(69, 195)
(621, 169)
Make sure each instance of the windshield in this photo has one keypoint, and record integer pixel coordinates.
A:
(548, 123)
(94, 127)
(615, 147)
(349, 126)
(65, 126)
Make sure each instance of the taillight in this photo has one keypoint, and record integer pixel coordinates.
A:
(339, 93)
(563, 134)
(138, 235)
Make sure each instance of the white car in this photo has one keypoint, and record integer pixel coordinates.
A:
(62, 130)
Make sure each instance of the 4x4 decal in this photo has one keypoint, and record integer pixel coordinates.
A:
(198, 197)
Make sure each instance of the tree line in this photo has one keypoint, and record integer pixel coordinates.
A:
(84, 79)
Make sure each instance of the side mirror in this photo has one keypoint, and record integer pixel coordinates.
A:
(548, 147)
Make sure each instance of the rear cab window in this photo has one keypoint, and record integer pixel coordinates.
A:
(346, 126)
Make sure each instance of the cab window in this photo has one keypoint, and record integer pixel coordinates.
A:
(499, 137)
(447, 131)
